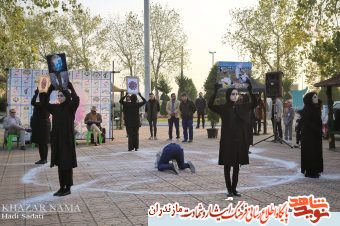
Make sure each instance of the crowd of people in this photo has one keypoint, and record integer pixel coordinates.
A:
(241, 118)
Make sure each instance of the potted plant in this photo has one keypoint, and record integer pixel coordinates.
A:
(209, 87)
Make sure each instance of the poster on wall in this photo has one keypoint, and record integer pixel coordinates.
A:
(132, 85)
(233, 74)
(93, 87)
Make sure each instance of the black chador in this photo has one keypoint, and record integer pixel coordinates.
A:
(235, 136)
(41, 127)
(63, 152)
(133, 122)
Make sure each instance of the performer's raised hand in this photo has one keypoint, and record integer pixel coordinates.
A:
(70, 86)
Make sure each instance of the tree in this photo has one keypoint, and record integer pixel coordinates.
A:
(165, 88)
(126, 41)
(326, 54)
(167, 40)
(320, 20)
(83, 38)
(186, 85)
(17, 40)
(209, 88)
(270, 36)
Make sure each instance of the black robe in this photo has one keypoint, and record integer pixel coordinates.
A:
(40, 122)
(311, 139)
(63, 152)
(131, 110)
(235, 136)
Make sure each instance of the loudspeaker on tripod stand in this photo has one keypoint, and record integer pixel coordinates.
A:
(274, 84)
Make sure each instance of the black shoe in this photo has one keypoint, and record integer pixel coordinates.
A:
(192, 167)
(184, 141)
(66, 191)
(41, 162)
(174, 166)
(28, 130)
(95, 144)
(130, 150)
(23, 148)
(312, 175)
(249, 152)
(235, 193)
(230, 194)
(197, 127)
(136, 149)
(189, 141)
(60, 191)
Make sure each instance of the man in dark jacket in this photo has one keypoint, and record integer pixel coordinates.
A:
(187, 109)
(41, 127)
(201, 104)
(151, 109)
(132, 119)
(63, 151)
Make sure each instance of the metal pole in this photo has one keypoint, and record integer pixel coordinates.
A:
(147, 79)
(113, 95)
(212, 54)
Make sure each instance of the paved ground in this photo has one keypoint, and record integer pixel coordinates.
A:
(116, 187)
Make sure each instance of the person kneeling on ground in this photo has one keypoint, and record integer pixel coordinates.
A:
(171, 157)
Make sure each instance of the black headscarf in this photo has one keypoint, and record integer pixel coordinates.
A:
(133, 98)
(308, 99)
(228, 94)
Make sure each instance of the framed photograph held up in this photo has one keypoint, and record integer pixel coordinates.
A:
(132, 85)
(44, 83)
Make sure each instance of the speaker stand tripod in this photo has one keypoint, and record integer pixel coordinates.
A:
(275, 135)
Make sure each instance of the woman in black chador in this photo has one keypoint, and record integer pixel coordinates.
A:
(235, 136)
(63, 152)
(41, 127)
(311, 136)
(131, 110)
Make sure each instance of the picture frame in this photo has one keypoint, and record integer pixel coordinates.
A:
(132, 84)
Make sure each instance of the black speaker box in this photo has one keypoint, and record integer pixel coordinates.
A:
(274, 84)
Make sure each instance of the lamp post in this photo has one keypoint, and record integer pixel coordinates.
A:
(212, 55)
(147, 79)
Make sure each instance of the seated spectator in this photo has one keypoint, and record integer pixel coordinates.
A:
(12, 125)
(92, 121)
(172, 158)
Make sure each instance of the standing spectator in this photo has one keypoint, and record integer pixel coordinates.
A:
(151, 109)
(93, 121)
(12, 125)
(187, 109)
(41, 127)
(172, 108)
(277, 109)
(171, 157)
(132, 119)
(259, 112)
(201, 105)
(235, 140)
(298, 128)
(63, 151)
(288, 117)
(311, 137)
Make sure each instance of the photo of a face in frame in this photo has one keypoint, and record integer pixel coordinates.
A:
(56, 63)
